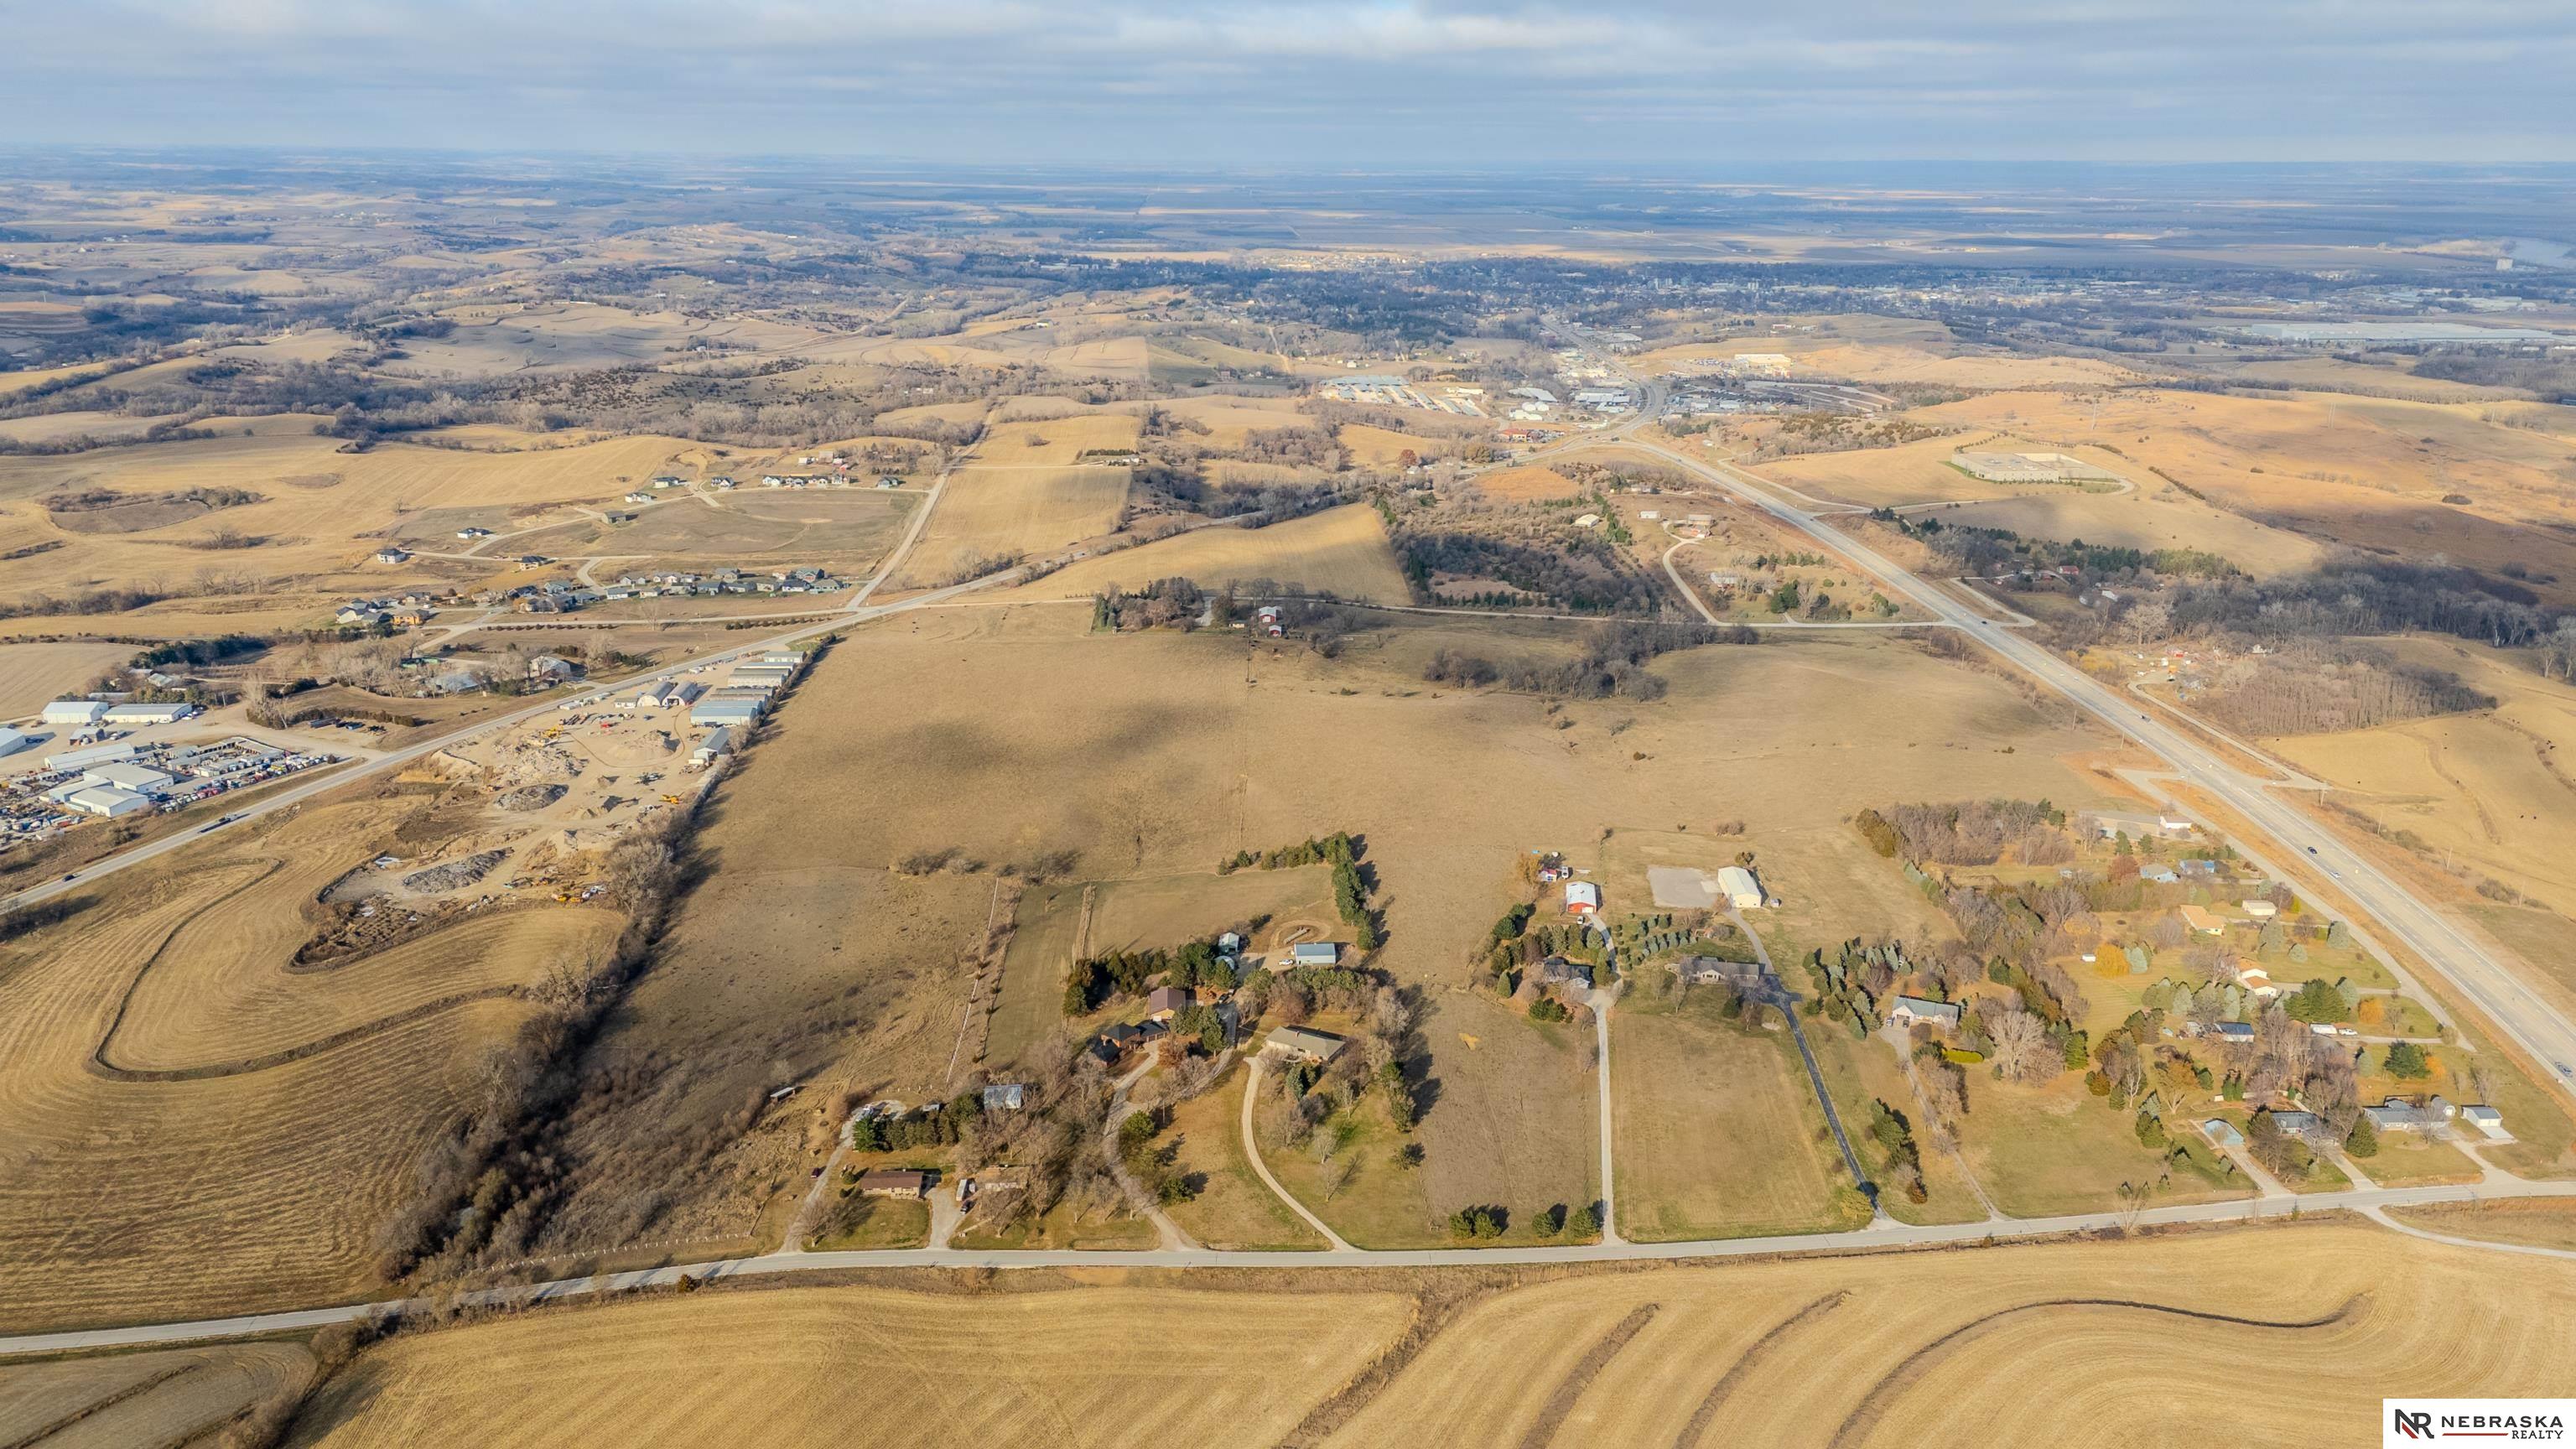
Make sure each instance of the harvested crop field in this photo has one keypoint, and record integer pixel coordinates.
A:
(142, 1398)
(989, 511)
(33, 673)
(1340, 551)
(171, 1081)
(1085, 1366)
(1846, 1352)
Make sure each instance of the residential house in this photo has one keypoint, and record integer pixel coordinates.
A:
(1557, 971)
(1005, 1097)
(1298, 1041)
(2258, 981)
(903, 1182)
(2303, 1124)
(2236, 1031)
(1164, 1002)
(1908, 1010)
(1711, 971)
(2202, 922)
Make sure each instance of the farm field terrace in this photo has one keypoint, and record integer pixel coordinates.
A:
(1884, 1350)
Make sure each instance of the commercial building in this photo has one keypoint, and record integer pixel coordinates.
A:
(130, 776)
(719, 710)
(717, 741)
(11, 741)
(107, 801)
(170, 712)
(84, 759)
(73, 712)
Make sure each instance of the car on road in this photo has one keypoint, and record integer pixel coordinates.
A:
(2312, 850)
(2338, 875)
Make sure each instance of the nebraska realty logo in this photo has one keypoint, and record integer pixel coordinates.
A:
(2416, 1421)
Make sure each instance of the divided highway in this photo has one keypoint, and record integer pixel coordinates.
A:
(2466, 969)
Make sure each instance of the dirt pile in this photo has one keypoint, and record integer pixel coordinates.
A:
(455, 874)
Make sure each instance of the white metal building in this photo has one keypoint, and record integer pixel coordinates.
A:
(84, 759)
(129, 776)
(108, 801)
(73, 712)
(143, 714)
(1739, 887)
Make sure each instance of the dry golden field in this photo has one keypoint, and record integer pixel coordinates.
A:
(1086, 1366)
(31, 674)
(182, 1396)
(1232, 421)
(1718, 1133)
(1022, 733)
(2490, 790)
(1852, 1352)
(170, 1082)
(1374, 447)
(319, 514)
(2364, 471)
(2156, 515)
(1340, 551)
(1527, 484)
(994, 510)
(1887, 349)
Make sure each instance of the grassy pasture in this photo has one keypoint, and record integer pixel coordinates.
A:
(1340, 551)
(1718, 1132)
(1232, 1207)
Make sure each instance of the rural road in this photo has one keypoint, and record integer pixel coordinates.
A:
(2372, 1203)
(2533, 1024)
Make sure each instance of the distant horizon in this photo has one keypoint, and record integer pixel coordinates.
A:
(1432, 83)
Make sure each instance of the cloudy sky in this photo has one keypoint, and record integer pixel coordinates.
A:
(1326, 83)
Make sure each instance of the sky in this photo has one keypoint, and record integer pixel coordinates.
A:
(1317, 84)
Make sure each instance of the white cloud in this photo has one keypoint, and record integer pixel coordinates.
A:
(1439, 80)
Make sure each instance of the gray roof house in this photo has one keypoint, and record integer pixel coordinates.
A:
(1297, 1041)
(1910, 1009)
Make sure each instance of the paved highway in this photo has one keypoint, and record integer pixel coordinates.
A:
(2370, 1202)
(2466, 968)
